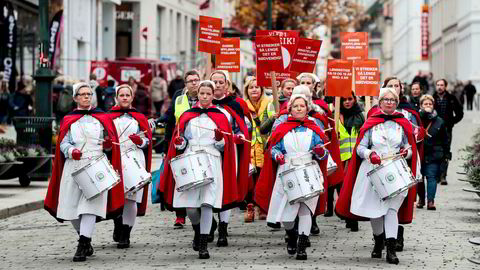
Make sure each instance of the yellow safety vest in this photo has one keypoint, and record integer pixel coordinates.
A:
(181, 106)
(346, 141)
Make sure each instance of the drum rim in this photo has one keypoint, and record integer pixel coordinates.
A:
(295, 168)
(308, 196)
(77, 172)
(191, 153)
(380, 166)
(192, 185)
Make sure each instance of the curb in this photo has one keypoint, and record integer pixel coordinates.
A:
(21, 209)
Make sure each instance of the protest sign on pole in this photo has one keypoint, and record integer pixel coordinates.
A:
(367, 77)
(209, 34)
(306, 55)
(269, 58)
(339, 82)
(354, 45)
(229, 56)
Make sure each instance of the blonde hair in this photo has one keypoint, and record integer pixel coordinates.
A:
(248, 82)
(426, 97)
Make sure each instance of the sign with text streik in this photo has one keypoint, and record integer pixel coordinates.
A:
(288, 42)
(269, 58)
(367, 77)
(354, 45)
(229, 56)
(306, 55)
(209, 34)
(339, 78)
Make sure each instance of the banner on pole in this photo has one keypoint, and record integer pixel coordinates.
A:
(209, 34)
(367, 77)
(229, 56)
(425, 32)
(306, 55)
(339, 78)
(269, 58)
(8, 47)
(55, 34)
(354, 45)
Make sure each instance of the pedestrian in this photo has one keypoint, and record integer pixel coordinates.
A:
(459, 93)
(178, 83)
(80, 133)
(470, 92)
(385, 133)
(136, 145)
(159, 91)
(431, 84)
(142, 100)
(450, 110)
(97, 91)
(4, 99)
(435, 149)
(293, 144)
(203, 127)
(20, 102)
(132, 82)
(415, 94)
(109, 96)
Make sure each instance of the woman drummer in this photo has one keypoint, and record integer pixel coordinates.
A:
(292, 144)
(135, 137)
(85, 134)
(386, 134)
(204, 127)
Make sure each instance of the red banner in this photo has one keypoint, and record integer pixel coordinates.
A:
(425, 33)
(367, 77)
(229, 56)
(306, 55)
(288, 41)
(269, 58)
(354, 45)
(209, 34)
(339, 78)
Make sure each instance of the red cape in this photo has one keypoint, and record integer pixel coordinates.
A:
(268, 174)
(166, 185)
(244, 106)
(116, 197)
(342, 208)
(115, 112)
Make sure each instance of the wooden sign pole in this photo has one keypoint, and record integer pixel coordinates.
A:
(337, 113)
(368, 104)
(208, 67)
(275, 91)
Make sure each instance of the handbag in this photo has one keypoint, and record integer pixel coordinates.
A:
(156, 181)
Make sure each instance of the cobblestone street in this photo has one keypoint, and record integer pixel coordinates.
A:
(435, 240)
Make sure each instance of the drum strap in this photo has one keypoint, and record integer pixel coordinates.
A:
(428, 127)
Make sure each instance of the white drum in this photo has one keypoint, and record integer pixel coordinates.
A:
(302, 182)
(331, 165)
(192, 170)
(96, 177)
(251, 169)
(135, 177)
(391, 178)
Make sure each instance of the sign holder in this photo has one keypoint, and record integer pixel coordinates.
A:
(275, 91)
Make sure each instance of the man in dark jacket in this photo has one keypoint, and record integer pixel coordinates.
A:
(176, 84)
(450, 110)
(470, 92)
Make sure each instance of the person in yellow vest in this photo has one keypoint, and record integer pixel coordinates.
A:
(182, 100)
(351, 120)
(257, 103)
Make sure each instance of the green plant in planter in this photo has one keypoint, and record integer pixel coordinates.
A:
(471, 160)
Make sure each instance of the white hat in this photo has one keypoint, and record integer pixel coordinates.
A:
(296, 96)
(224, 72)
(123, 86)
(208, 82)
(302, 89)
(386, 90)
(79, 85)
(311, 75)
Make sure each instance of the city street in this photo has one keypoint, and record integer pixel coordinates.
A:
(435, 240)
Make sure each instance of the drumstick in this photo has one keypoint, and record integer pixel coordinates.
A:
(311, 151)
(125, 129)
(226, 133)
(331, 119)
(419, 128)
(395, 155)
(140, 133)
(328, 129)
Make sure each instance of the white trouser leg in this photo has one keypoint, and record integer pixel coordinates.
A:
(193, 215)
(87, 225)
(76, 224)
(377, 225)
(391, 224)
(304, 220)
(206, 219)
(129, 213)
(225, 216)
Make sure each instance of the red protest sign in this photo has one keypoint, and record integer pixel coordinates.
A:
(339, 78)
(288, 41)
(229, 56)
(306, 55)
(354, 45)
(367, 77)
(209, 34)
(269, 58)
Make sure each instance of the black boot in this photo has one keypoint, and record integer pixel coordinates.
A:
(314, 229)
(196, 237)
(211, 236)
(292, 241)
(222, 234)
(391, 253)
(117, 229)
(125, 237)
(82, 249)
(202, 245)
(399, 244)
(353, 225)
(302, 246)
(379, 245)
(330, 194)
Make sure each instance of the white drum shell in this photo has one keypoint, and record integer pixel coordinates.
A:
(192, 170)
(303, 182)
(331, 165)
(135, 177)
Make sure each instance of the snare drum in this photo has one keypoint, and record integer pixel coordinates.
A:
(96, 177)
(331, 165)
(192, 170)
(391, 178)
(135, 177)
(302, 182)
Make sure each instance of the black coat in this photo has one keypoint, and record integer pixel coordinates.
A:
(454, 112)
(435, 148)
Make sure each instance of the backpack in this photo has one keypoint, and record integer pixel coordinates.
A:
(65, 102)
(109, 100)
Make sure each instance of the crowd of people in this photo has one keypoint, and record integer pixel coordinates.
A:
(281, 160)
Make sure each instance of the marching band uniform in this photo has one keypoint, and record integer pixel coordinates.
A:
(81, 133)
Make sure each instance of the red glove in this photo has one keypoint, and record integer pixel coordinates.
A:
(319, 151)
(403, 152)
(178, 140)
(76, 154)
(237, 139)
(375, 159)
(218, 135)
(107, 143)
(280, 158)
(136, 139)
